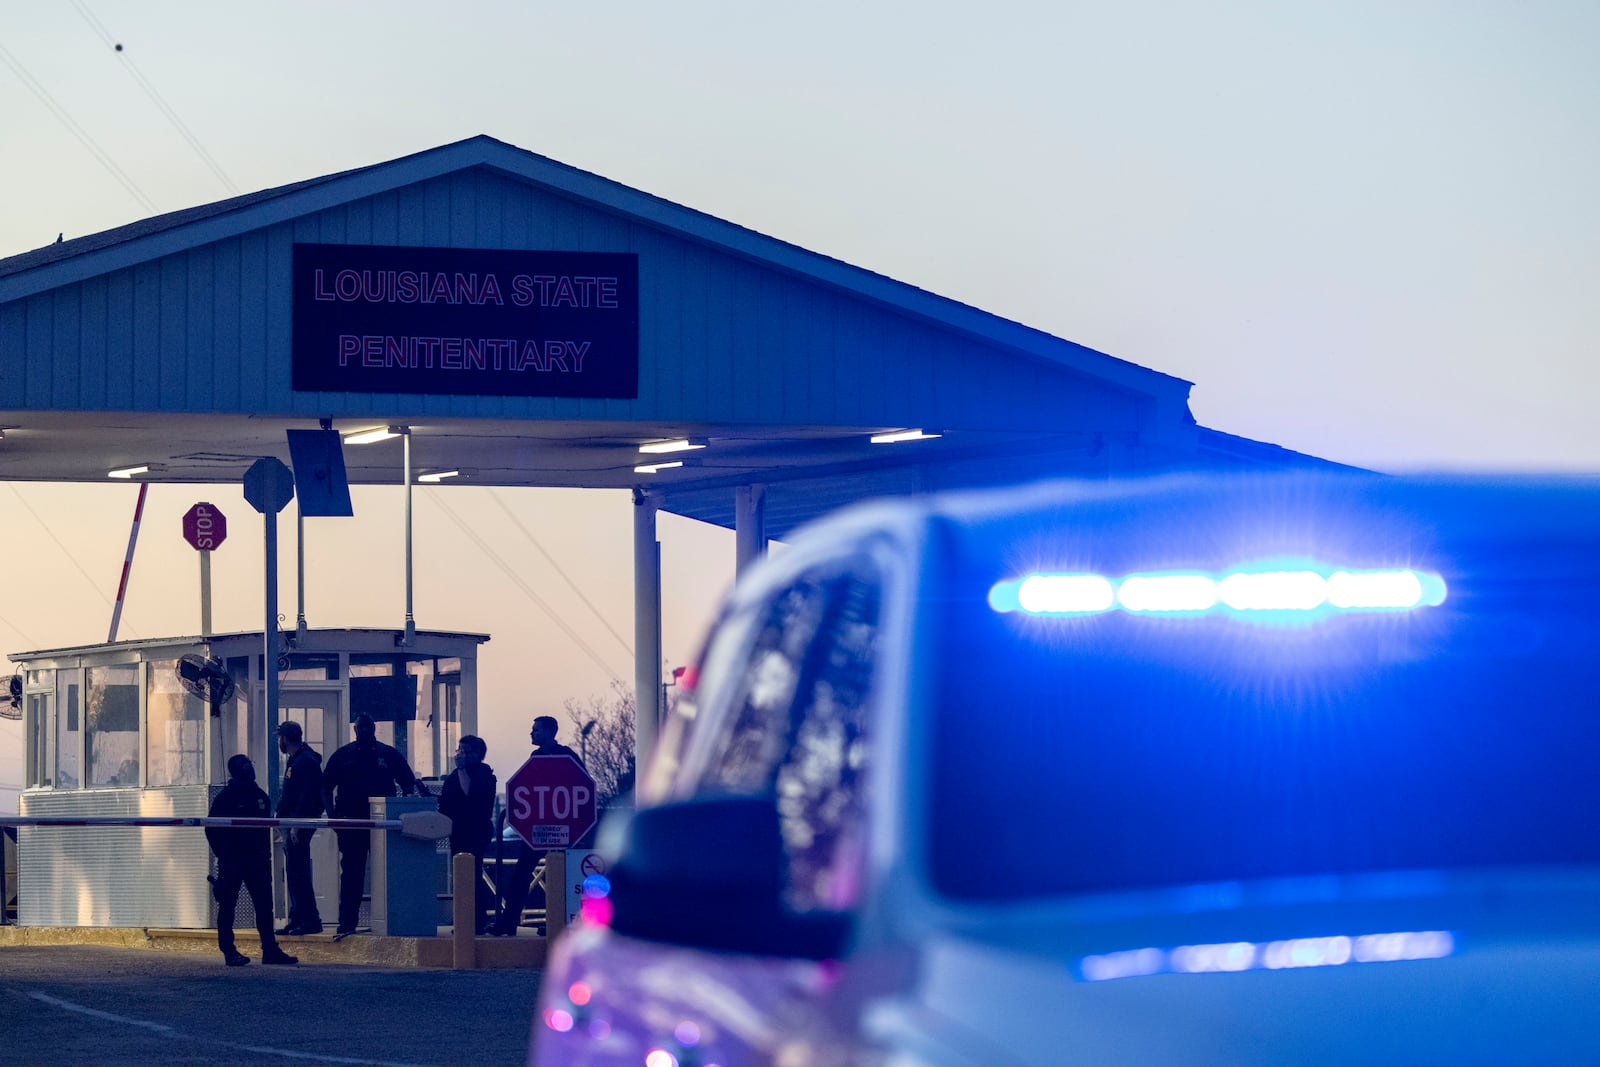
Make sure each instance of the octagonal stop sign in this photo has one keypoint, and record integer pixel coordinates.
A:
(204, 527)
(550, 801)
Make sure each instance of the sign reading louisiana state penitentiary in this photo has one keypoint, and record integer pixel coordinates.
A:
(488, 322)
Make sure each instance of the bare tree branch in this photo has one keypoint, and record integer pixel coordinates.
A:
(608, 749)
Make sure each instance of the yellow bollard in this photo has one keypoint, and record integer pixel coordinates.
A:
(463, 910)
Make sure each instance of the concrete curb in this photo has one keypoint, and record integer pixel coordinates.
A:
(524, 950)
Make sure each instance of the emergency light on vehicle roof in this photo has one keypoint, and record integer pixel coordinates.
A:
(1240, 591)
(1290, 954)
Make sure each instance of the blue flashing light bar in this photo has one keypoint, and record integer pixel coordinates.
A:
(1291, 953)
(1243, 591)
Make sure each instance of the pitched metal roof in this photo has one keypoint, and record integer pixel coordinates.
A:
(826, 354)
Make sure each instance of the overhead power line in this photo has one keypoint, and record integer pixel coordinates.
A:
(64, 550)
(79, 132)
(497, 560)
(17, 630)
(557, 567)
(155, 97)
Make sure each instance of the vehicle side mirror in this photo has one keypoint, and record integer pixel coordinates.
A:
(710, 874)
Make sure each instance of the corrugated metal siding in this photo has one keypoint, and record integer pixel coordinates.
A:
(722, 339)
(115, 875)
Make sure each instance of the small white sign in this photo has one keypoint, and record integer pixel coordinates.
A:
(581, 863)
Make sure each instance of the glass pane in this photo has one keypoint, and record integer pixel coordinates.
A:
(448, 702)
(175, 736)
(111, 715)
(800, 731)
(822, 778)
(232, 734)
(310, 667)
(424, 753)
(761, 731)
(69, 727)
(36, 710)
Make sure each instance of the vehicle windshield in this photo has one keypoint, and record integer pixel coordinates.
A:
(1107, 749)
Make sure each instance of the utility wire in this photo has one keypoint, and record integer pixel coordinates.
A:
(79, 132)
(64, 551)
(564, 576)
(156, 97)
(17, 630)
(496, 559)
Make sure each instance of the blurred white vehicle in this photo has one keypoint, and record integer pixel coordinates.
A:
(1277, 770)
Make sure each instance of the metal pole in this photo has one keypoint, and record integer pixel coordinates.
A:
(269, 666)
(300, 565)
(411, 621)
(750, 525)
(646, 625)
(127, 561)
(424, 824)
(205, 592)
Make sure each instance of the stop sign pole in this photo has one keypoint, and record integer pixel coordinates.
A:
(204, 527)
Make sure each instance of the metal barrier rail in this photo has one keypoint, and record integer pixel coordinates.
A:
(426, 825)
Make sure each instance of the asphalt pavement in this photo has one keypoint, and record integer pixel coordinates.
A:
(70, 1005)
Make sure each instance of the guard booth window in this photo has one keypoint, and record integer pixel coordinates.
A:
(69, 730)
(36, 719)
(111, 718)
(175, 732)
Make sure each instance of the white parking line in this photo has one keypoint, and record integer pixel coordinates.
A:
(167, 1031)
(106, 1015)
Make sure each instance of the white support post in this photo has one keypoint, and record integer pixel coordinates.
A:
(646, 626)
(749, 525)
(411, 619)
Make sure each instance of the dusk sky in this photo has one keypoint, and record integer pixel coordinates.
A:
(1364, 230)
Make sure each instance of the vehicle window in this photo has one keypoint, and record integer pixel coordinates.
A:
(798, 730)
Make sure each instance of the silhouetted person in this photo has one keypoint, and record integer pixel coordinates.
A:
(468, 799)
(366, 767)
(520, 881)
(301, 799)
(244, 857)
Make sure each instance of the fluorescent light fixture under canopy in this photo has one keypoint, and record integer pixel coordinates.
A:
(651, 468)
(438, 476)
(902, 435)
(681, 444)
(128, 472)
(376, 433)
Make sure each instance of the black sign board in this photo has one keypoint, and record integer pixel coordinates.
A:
(386, 698)
(485, 322)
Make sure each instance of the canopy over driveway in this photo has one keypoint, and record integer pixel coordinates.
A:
(189, 342)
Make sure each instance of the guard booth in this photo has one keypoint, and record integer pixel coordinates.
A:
(146, 728)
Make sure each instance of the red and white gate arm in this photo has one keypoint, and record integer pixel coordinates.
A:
(427, 825)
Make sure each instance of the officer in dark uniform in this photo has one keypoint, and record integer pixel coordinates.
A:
(243, 857)
(468, 799)
(520, 882)
(301, 798)
(366, 767)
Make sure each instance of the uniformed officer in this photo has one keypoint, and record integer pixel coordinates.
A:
(366, 767)
(468, 799)
(243, 857)
(301, 798)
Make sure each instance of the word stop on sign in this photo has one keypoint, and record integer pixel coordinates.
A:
(548, 811)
